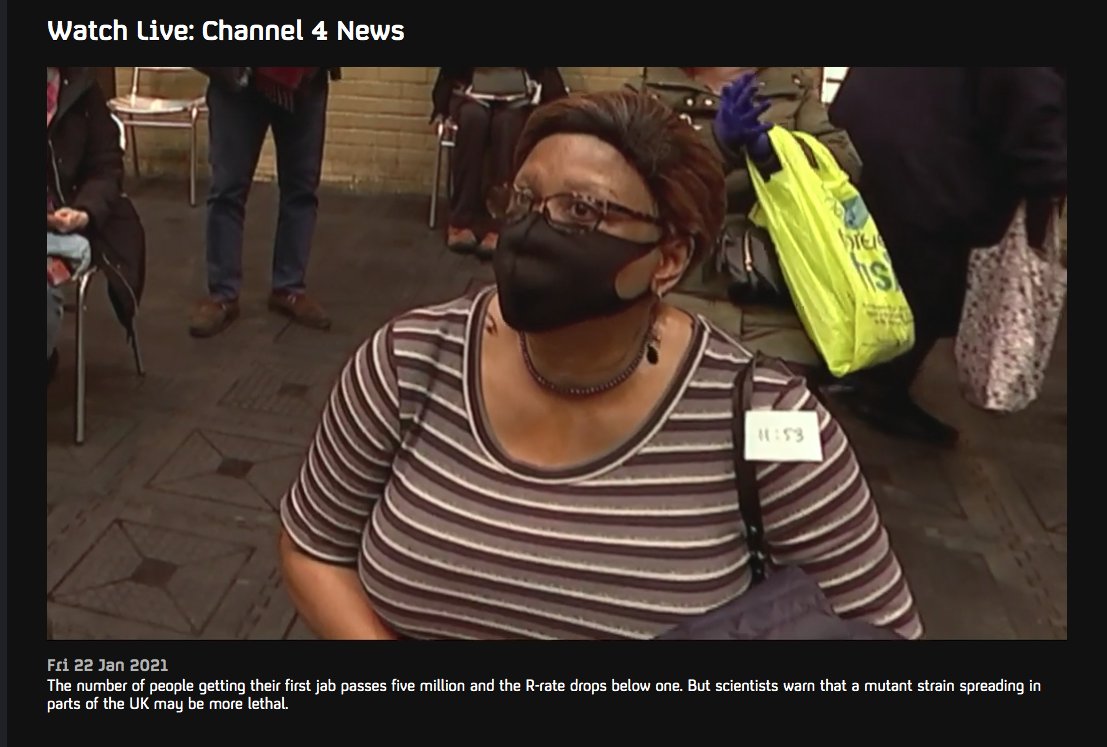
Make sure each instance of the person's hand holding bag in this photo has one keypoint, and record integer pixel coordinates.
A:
(738, 124)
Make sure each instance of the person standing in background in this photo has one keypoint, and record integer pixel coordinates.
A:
(489, 106)
(950, 153)
(244, 103)
(732, 108)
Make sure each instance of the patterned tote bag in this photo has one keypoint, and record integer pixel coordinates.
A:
(1013, 307)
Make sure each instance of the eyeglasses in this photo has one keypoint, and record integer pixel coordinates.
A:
(571, 212)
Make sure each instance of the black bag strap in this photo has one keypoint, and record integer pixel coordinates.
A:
(749, 500)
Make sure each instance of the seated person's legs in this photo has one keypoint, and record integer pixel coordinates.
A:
(467, 200)
(507, 126)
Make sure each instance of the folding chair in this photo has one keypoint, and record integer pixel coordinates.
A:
(447, 138)
(122, 133)
(137, 110)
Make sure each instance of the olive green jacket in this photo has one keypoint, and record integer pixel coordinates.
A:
(794, 104)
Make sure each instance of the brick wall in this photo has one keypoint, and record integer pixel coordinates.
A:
(378, 138)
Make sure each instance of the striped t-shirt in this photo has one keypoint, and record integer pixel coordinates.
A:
(454, 539)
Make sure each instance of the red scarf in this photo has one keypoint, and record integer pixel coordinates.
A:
(53, 85)
(279, 84)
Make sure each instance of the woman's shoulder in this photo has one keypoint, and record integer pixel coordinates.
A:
(446, 314)
(776, 386)
(427, 329)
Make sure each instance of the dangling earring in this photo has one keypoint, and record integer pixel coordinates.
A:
(653, 340)
(651, 349)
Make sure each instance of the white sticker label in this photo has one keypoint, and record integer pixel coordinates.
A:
(783, 436)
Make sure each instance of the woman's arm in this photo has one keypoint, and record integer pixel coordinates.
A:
(329, 597)
(822, 518)
(101, 173)
(1022, 111)
(327, 508)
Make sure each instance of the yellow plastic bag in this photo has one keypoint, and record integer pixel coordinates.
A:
(833, 258)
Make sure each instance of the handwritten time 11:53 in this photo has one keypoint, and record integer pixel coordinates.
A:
(780, 435)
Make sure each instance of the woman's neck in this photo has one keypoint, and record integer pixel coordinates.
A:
(592, 353)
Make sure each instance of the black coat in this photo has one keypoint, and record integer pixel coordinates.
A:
(232, 77)
(951, 151)
(450, 78)
(949, 154)
(84, 171)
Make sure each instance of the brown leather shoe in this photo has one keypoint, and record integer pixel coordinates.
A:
(488, 245)
(301, 308)
(460, 240)
(211, 316)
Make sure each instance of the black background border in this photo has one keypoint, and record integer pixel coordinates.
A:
(594, 34)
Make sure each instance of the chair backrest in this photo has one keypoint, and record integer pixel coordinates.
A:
(137, 72)
(122, 133)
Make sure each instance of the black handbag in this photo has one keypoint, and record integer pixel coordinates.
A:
(500, 83)
(749, 261)
(782, 603)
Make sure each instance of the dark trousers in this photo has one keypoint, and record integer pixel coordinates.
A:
(481, 130)
(238, 123)
(895, 378)
(934, 278)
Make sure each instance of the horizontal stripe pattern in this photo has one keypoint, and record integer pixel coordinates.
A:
(451, 543)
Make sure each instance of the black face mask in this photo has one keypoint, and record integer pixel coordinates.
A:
(548, 279)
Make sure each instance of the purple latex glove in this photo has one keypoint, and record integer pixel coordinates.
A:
(738, 123)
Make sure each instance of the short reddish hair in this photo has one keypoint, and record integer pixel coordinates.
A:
(682, 173)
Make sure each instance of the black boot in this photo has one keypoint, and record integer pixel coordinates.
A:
(51, 366)
(900, 416)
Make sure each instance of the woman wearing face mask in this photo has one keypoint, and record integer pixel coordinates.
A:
(551, 457)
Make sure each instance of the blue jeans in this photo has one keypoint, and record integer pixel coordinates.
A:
(54, 303)
(237, 124)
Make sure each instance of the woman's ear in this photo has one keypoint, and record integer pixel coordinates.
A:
(657, 272)
(676, 256)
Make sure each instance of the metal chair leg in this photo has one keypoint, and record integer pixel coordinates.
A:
(79, 400)
(139, 368)
(192, 161)
(435, 186)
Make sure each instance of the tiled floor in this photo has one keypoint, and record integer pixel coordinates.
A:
(163, 524)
